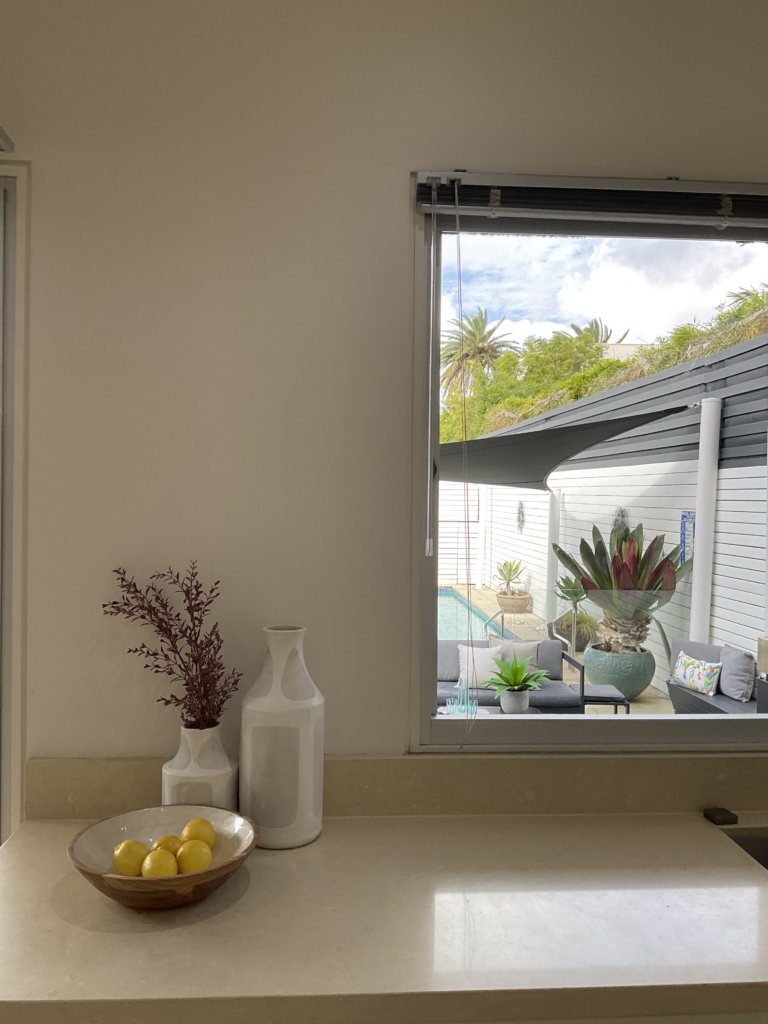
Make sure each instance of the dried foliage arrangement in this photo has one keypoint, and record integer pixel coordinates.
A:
(185, 652)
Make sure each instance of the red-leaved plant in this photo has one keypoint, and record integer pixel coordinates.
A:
(185, 652)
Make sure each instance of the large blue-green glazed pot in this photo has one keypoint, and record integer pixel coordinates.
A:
(631, 673)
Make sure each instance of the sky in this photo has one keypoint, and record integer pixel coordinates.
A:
(543, 283)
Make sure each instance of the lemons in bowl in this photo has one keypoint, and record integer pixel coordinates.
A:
(128, 857)
(170, 843)
(194, 855)
(199, 829)
(170, 855)
(159, 864)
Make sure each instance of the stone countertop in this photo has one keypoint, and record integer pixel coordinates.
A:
(402, 921)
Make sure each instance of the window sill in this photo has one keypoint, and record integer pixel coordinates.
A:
(600, 733)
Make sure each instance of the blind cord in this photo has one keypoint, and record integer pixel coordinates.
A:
(470, 719)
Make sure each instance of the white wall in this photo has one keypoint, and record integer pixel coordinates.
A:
(221, 296)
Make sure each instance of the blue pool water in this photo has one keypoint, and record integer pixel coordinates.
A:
(453, 622)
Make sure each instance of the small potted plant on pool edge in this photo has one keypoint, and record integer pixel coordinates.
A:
(513, 681)
(511, 599)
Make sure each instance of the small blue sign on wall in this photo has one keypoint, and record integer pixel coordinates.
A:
(687, 535)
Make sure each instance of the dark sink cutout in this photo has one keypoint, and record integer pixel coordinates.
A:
(755, 846)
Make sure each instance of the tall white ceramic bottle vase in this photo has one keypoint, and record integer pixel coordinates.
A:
(201, 772)
(282, 746)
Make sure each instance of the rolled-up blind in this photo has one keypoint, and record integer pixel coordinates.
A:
(539, 205)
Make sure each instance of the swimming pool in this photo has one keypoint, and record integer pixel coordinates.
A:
(452, 617)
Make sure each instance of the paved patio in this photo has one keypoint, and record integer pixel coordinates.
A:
(532, 627)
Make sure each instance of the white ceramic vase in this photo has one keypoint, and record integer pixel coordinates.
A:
(201, 772)
(282, 746)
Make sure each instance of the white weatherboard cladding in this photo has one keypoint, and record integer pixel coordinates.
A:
(738, 580)
(459, 516)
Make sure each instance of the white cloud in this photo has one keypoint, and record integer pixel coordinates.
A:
(646, 286)
(652, 288)
(519, 330)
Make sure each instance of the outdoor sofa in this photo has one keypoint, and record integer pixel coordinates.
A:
(690, 702)
(555, 697)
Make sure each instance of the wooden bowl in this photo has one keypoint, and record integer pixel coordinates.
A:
(91, 853)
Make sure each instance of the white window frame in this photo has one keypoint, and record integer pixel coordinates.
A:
(536, 734)
(14, 179)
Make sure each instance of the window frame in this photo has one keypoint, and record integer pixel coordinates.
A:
(14, 194)
(537, 734)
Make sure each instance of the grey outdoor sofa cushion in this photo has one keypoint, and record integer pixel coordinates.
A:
(550, 658)
(554, 694)
(448, 657)
(694, 649)
(737, 676)
(690, 702)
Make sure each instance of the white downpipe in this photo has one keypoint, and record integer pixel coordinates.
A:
(481, 535)
(706, 498)
(553, 536)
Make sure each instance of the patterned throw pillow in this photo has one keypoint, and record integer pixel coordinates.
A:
(697, 675)
(680, 674)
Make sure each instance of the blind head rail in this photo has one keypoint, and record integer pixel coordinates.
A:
(723, 209)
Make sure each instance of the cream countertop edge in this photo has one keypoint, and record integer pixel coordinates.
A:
(370, 923)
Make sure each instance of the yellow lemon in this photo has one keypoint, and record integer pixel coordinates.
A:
(170, 843)
(128, 857)
(194, 855)
(200, 829)
(158, 864)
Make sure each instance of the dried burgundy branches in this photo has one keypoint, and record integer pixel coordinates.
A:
(185, 652)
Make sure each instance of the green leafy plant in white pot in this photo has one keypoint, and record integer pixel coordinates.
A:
(512, 599)
(513, 682)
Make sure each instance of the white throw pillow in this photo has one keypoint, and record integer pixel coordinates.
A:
(523, 649)
(476, 664)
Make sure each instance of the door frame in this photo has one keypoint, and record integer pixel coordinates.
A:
(14, 387)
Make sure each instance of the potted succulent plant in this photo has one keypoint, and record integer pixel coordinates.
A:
(201, 772)
(512, 682)
(578, 624)
(628, 583)
(512, 599)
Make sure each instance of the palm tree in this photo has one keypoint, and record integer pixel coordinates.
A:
(471, 348)
(596, 331)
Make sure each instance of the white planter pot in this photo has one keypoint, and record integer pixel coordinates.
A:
(513, 604)
(514, 702)
(201, 772)
(282, 746)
